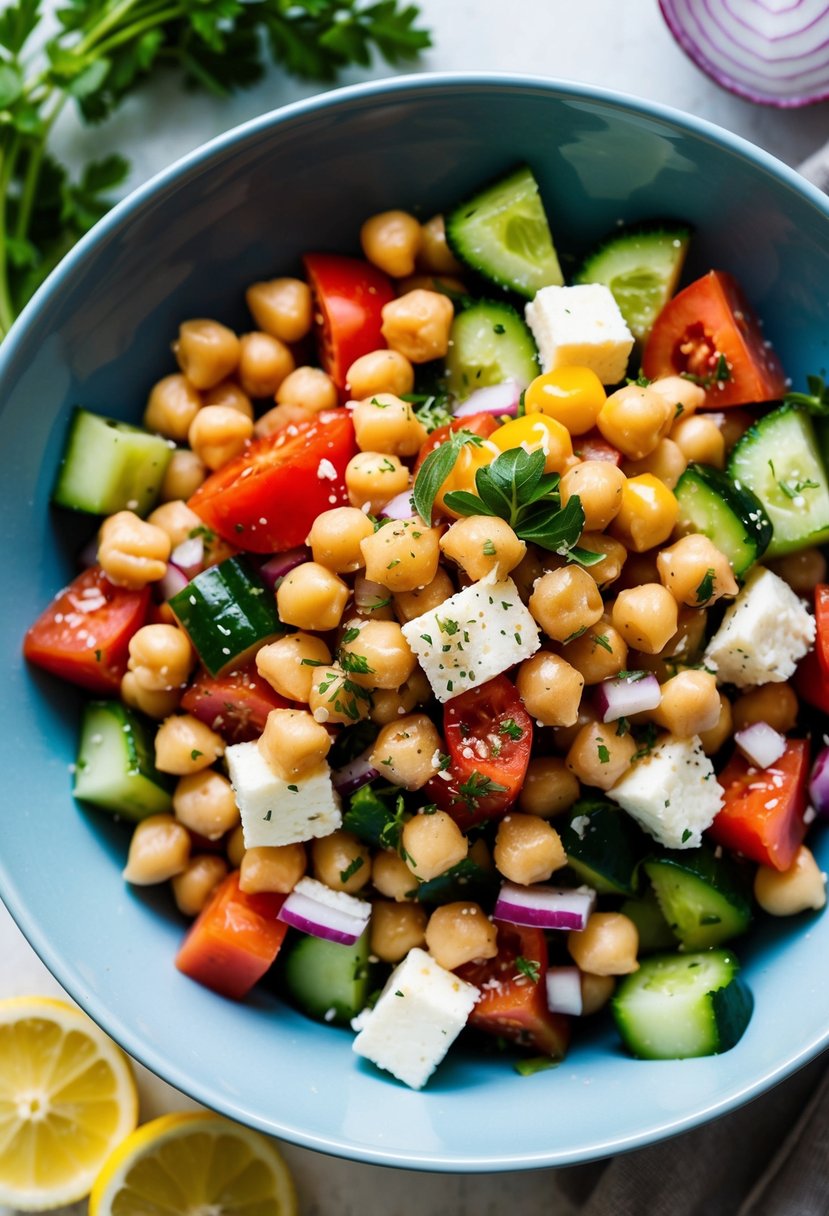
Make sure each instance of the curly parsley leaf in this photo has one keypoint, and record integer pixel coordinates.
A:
(816, 400)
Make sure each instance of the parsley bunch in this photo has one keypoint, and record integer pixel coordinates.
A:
(103, 51)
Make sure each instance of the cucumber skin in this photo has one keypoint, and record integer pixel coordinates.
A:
(303, 969)
(519, 352)
(700, 866)
(144, 791)
(606, 856)
(741, 502)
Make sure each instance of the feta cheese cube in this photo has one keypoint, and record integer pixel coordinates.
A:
(764, 633)
(580, 327)
(672, 793)
(471, 637)
(278, 812)
(418, 1015)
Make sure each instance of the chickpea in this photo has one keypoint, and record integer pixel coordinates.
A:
(396, 929)
(335, 538)
(527, 573)
(235, 846)
(310, 388)
(695, 571)
(700, 439)
(388, 658)
(599, 756)
(690, 704)
(614, 553)
(385, 424)
(772, 703)
(176, 519)
(391, 241)
(481, 544)
(311, 597)
(289, 664)
(639, 568)
(161, 657)
(218, 434)
(565, 736)
(341, 861)
(184, 744)
(293, 744)
(335, 698)
(460, 933)
(598, 654)
(373, 479)
(390, 705)
(281, 308)
(538, 433)
(596, 991)
(683, 396)
(409, 604)
(280, 417)
(435, 256)
(159, 849)
(206, 352)
(634, 419)
(648, 513)
(171, 407)
(229, 396)
(598, 484)
(550, 689)
(607, 945)
(549, 788)
(802, 571)
(433, 844)
(687, 642)
(205, 803)
(404, 751)
(264, 362)
(566, 601)
(799, 889)
(372, 600)
(646, 617)
(666, 461)
(132, 552)
(712, 740)
(528, 849)
(183, 475)
(392, 877)
(193, 887)
(380, 371)
(276, 868)
(418, 324)
(154, 704)
(402, 555)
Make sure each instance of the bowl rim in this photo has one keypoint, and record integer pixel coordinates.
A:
(385, 88)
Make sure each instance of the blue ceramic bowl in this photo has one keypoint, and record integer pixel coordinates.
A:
(98, 333)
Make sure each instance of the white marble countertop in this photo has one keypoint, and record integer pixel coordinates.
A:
(619, 44)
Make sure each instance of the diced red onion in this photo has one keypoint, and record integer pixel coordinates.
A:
(174, 580)
(776, 54)
(88, 555)
(367, 595)
(351, 776)
(564, 991)
(399, 507)
(623, 698)
(275, 568)
(312, 916)
(819, 783)
(761, 744)
(545, 907)
(189, 555)
(492, 399)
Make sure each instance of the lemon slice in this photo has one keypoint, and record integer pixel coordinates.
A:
(67, 1097)
(194, 1164)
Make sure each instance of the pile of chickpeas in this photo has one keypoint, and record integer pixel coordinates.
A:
(638, 608)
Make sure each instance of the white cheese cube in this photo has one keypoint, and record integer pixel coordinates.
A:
(672, 793)
(280, 812)
(764, 634)
(580, 327)
(418, 1015)
(474, 635)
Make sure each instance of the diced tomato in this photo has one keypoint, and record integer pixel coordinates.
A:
(266, 499)
(349, 296)
(712, 320)
(83, 636)
(489, 735)
(234, 940)
(822, 623)
(513, 1002)
(812, 683)
(477, 424)
(236, 704)
(594, 446)
(763, 809)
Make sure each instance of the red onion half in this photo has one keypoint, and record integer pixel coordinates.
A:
(492, 399)
(545, 907)
(354, 775)
(776, 54)
(321, 912)
(275, 568)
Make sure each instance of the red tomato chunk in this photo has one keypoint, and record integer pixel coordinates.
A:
(762, 815)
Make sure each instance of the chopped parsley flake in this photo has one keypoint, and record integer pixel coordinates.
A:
(529, 968)
(510, 727)
(351, 869)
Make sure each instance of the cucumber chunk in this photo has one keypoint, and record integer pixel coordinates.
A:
(703, 897)
(108, 466)
(678, 1006)
(489, 344)
(779, 460)
(503, 233)
(328, 981)
(603, 847)
(730, 515)
(115, 768)
(641, 265)
(654, 931)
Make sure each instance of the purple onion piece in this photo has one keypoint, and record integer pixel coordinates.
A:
(174, 580)
(399, 507)
(545, 907)
(819, 784)
(276, 567)
(622, 698)
(761, 744)
(319, 920)
(189, 555)
(564, 991)
(493, 399)
(351, 776)
(88, 555)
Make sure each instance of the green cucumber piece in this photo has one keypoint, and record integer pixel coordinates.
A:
(603, 847)
(654, 931)
(779, 460)
(703, 897)
(503, 233)
(466, 880)
(489, 343)
(115, 768)
(641, 265)
(728, 514)
(679, 1006)
(327, 980)
(108, 466)
(228, 613)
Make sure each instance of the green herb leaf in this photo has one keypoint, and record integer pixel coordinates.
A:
(556, 531)
(584, 557)
(351, 869)
(435, 469)
(601, 639)
(529, 968)
(467, 504)
(510, 727)
(706, 588)
(529, 1067)
(476, 787)
(816, 400)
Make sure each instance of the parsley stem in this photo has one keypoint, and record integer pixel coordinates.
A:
(32, 175)
(128, 32)
(8, 158)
